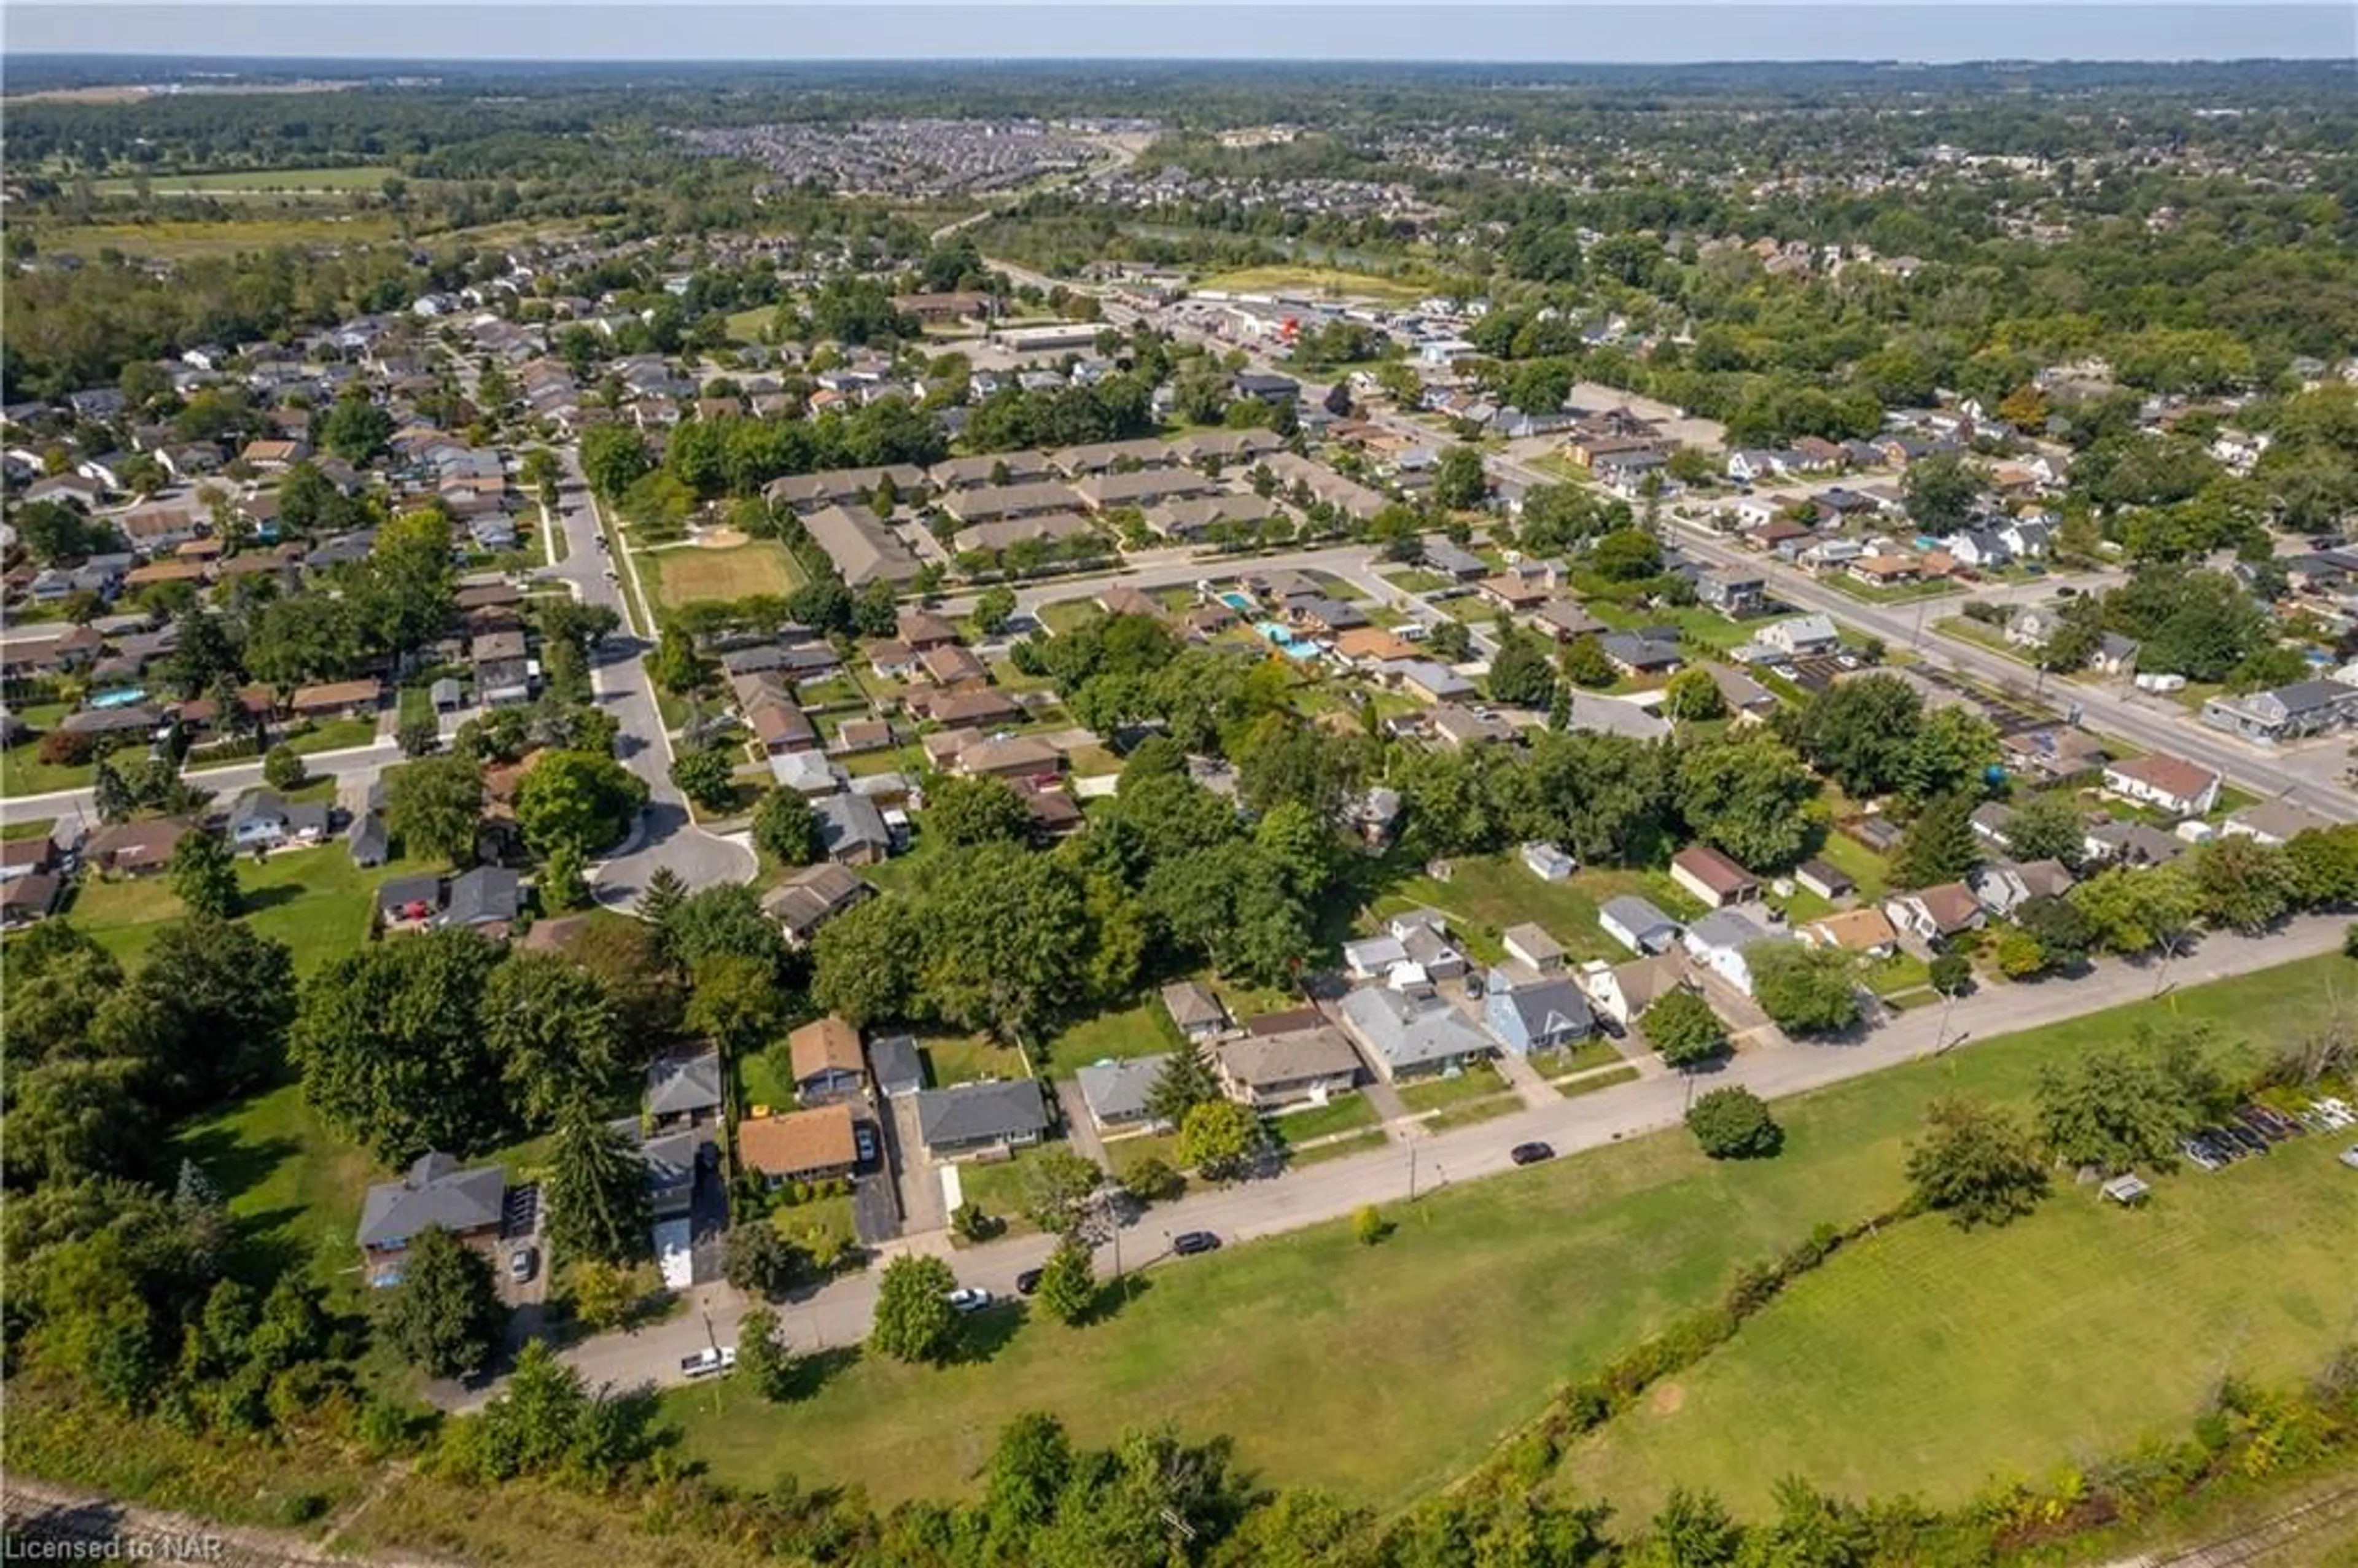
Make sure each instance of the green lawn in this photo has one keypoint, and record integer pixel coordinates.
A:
(686, 573)
(22, 772)
(1596, 1081)
(1594, 1051)
(28, 827)
(1467, 1112)
(1856, 862)
(256, 182)
(331, 735)
(997, 1187)
(1325, 281)
(1486, 893)
(315, 901)
(1615, 1243)
(1067, 613)
(970, 1059)
(1441, 1093)
(1143, 1029)
(294, 1187)
(2053, 1339)
(763, 1078)
(1415, 580)
(1126, 1154)
(1347, 1114)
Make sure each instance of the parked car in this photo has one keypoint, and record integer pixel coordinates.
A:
(1531, 1154)
(863, 1139)
(2198, 1154)
(1188, 1243)
(2350, 1156)
(969, 1298)
(1027, 1282)
(708, 1361)
(522, 1264)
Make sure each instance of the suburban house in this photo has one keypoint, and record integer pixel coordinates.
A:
(29, 898)
(851, 830)
(2131, 844)
(2304, 707)
(1936, 914)
(811, 897)
(1712, 877)
(827, 1063)
(1733, 593)
(1531, 1012)
(487, 898)
(1116, 1092)
(1800, 636)
(1721, 942)
(2272, 822)
(434, 1194)
(683, 1091)
(1636, 924)
(27, 857)
(2181, 788)
(1308, 1064)
(980, 1118)
(264, 819)
(1195, 1010)
(1867, 931)
(2004, 888)
(1624, 991)
(800, 1146)
(1412, 950)
(337, 699)
(1408, 1037)
(672, 1160)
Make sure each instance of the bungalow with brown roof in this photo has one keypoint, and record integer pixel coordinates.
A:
(1513, 590)
(800, 1146)
(1121, 598)
(1938, 913)
(1867, 931)
(136, 849)
(829, 1063)
(1017, 756)
(948, 663)
(337, 699)
(2171, 784)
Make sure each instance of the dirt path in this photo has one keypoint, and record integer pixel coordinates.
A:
(62, 1523)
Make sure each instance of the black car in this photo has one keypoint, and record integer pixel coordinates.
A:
(1027, 1282)
(1187, 1243)
(1531, 1154)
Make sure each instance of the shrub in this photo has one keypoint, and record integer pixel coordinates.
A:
(1153, 1180)
(1734, 1124)
(70, 749)
(1370, 1226)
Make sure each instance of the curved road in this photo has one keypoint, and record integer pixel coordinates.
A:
(665, 835)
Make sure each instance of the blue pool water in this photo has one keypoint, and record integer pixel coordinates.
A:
(1291, 646)
(123, 699)
(1237, 602)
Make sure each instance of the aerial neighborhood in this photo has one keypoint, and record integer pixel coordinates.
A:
(675, 772)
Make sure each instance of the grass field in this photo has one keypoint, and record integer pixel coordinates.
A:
(315, 901)
(685, 575)
(178, 240)
(1588, 1254)
(1143, 1029)
(1322, 280)
(259, 182)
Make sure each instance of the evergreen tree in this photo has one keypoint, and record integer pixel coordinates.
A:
(1938, 845)
(204, 876)
(596, 1192)
(1186, 1082)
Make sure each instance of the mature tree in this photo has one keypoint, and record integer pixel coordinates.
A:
(993, 609)
(999, 929)
(1950, 972)
(1943, 492)
(1952, 752)
(2324, 863)
(678, 664)
(71, 1118)
(580, 798)
(1583, 663)
(204, 876)
(445, 1316)
(735, 1003)
(785, 828)
(759, 1259)
(1808, 990)
(1939, 844)
(1185, 1081)
(208, 1010)
(661, 899)
(597, 1192)
(1058, 1188)
(962, 811)
(1458, 481)
(1068, 1283)
(1683, 1030)
(915, 1321)
(613, 457)
(1860, 733)
(860, 961)
(1690, 1529)
(763, 1362)
(1976, 1162)
(1745, 796)
(555, 1031)
(111, 797)
(1692, 695)
(2130, 911)
(390, 1042)
(1222, 1140)
(281, 768)
(434, 805)
(707, 776)
(2245, 884)
(2047, 827)
(2116, 1106)
(604, 1294)
(626, 958)
(724, 918)
(355, 428)
(1734, 1124)
(1520, 672)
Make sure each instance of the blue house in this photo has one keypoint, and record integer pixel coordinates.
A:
(1529, 1011)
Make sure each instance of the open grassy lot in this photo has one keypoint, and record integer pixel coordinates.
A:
(1305, 279)
(178, 240)
(684, 575)
(1143, 1029)
(315, 901)
(258, 182)
(1486, 893)
(2028, 1352)
(1602, 1249)
(969, 1059)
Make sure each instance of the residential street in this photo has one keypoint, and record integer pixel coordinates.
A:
(841, 1313)
(665, 836)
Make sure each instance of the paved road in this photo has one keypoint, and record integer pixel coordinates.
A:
(665, 836)
(67, 805)
(841, 1313)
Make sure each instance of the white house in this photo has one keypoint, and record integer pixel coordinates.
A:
(1623, 991)
(1719, 941)
(1801, 635)
(2179, 787)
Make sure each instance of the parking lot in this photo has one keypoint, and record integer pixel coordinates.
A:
(2253, 1129)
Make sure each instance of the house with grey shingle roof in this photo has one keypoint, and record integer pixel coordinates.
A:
(434, 1194)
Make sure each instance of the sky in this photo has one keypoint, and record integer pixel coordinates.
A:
(1679, 30)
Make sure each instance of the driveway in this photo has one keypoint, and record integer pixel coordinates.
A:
(911, 1171)
(707, 1225)
(875, 1208)
(1080, 1127)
